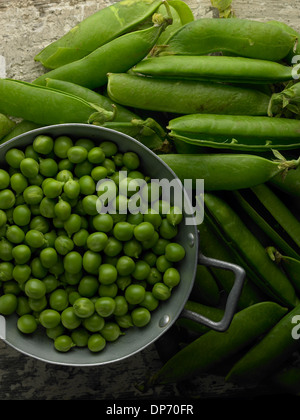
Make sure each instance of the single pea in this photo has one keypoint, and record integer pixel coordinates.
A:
(174, 252)
(12, 287)
(49, 318)
(150, 258)
(135, 294)
(27, 324)
(97, 241)
(21, 254)
(83, 169)
(98, 173)
(72, 279)
(103, 222)
(96, 155)
(124, 321)
(7, 199)
(37, 180)
(61, 146)
(135, 218)
(88, 144)
(58, 300)
(63, 245)
(150, 243)
(83, 307)
(91, 262)
(62, 209)
(35, 289)
(6, 271)
(33, 195)
(171, 277)
(150, 302)
(167, 231)
(113, 247)
(88, 286)
(73, 262)
(94, 323)
(4, 179)
(123, 231)
(48, 167)
(3, 218)
(109, 164)
(144, 231)
(174, 216)
(51, 283)
(87, 185)
(125, 265)
(37, 269)
(48, 257)
(111, 331)
(29, 167)
(18, 182)
(40, 223)
(38, 305)
(47, 207)
(118, 159)
(15, 234)
(65, 164)
(161, 291)
(72, 189)
(132, 248)
(14, 157)
(80, 337)
(8, 304)
(160, 247)
(6, 250)
(121, 306)
(105, 306)
(63, 343)
(52, 188)
(80, 237)
(77, 154)
(43, 144)
(73, 224)
(89, 204)
(31, 153)
(141, 271)
(153, 217)
(140, 317)
(162, 264)
(53, 333)
(64, 175)
(23, 307)
(131, 161)
(154, 276)
(96, 343)
(69, 319)
(108, 290)
(22, 215)
(107, 274)
(109, 148)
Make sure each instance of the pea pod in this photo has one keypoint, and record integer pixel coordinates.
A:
(206, 289)
(290, 265)
(270, 278)
(6, 126)
(213, 348)
(232, 132)
(185, 96)
(20, 128)
(44, 106)
(215, 69)
(240, 37)
(287, 28)
(290, 183)
(96, 30)
(264, 358)
(235, 171)
(119, 55)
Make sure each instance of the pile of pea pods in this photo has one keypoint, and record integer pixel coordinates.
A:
(217, 99)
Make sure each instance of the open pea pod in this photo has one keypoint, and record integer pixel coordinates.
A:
(96, 30)
(289, 264)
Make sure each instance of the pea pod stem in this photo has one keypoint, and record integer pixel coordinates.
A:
(290, 265)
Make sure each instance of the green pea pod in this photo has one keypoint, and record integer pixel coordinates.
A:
(96, 30)
(271, 278)
(290, 183)
(215, 69)
(185, 96)
(232, 132)
(119, 55)
(290, 265)
(206, 288)
(213, 348)
(235, 171)
(240, 37)
(20, 128)
(215, 247)
(46, 106)
(265, 226)
(264, 358)
(279, 211)
(211, 312)
(6, 126)
(296, 50)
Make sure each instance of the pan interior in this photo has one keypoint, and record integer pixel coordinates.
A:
(39, 345)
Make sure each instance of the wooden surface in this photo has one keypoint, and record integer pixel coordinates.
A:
(26, 27)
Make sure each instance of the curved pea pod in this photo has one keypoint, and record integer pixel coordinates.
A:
(232, 132)
(206, 289)
(270, 279)
(240, 37)
(20, 128)
(214, 247)
(279, 211)
(213, 348)
(296, 50)
(290, 265)
(215, 69)
(211, 312)
(119, 55)
(122, 114)
(290, 183)
(6, 126)
(234, 171)
(96, 30)
(266, 356)
(185, 96)
(46, 106)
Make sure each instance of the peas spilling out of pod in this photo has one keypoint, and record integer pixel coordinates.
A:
(82, 275)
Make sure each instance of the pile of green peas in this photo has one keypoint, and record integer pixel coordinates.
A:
(84, 277)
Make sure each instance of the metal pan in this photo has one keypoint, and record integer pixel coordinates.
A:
(39, 346)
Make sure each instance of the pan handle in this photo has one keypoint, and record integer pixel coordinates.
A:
(232, 298)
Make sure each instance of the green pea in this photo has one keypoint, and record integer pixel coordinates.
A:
(121, 306)
(73, 224)
(63, 245)
(29, 167)
(72, 188)
(23, 307)
(174, 252)
(62, 209)
(53, 333)
(108, 290)
(33, 195)
(3, 218)
(94, 323)
(131, 161)
(113, 247)
(140, 317)
(21, 215)
(88, 286)
(175, 216)
(111, 331)
(40, 223)
(73, 262)
(144, 231)
(154, 276)
(105, 306)
(77, 154)
(21, 254)
(48, 167)
(6, 271)
(89, 204)
(65, 164)
(150, 302)
(96, 155)
(103, 222)
(80, 337)
(52, 188)
(167, 231)
(61, 146)
(18, 182)
(8, 304)
(43, 144)
(171, 277)
(4, 179)
(83, 307)
(15, 234)
(83, 169)
(69, 319)
(11, 286)
(161, 291)
(98, 173)
(27, 324)
(91, 262)
(58, 300)
(37, 180)
(48, 257)
(124, 321)
(141, 271)
(47, 208)
(14, 157)
(132, 248)
(123, 231)
(107, 274)
(135, 294)
(35, 289)
(51, 283)
(63, 343)
(125, 265)
(6, 250)
(72, 279)
(96, 343)
(150, 258)
(87, 144)
(109, 148)
(64, 175)
(49, 318)
(109, 164)
(97, 241)
(150, 243)
(80, 237)
(7, 199)
(87, 185)
(153, 217)
(37, 269)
